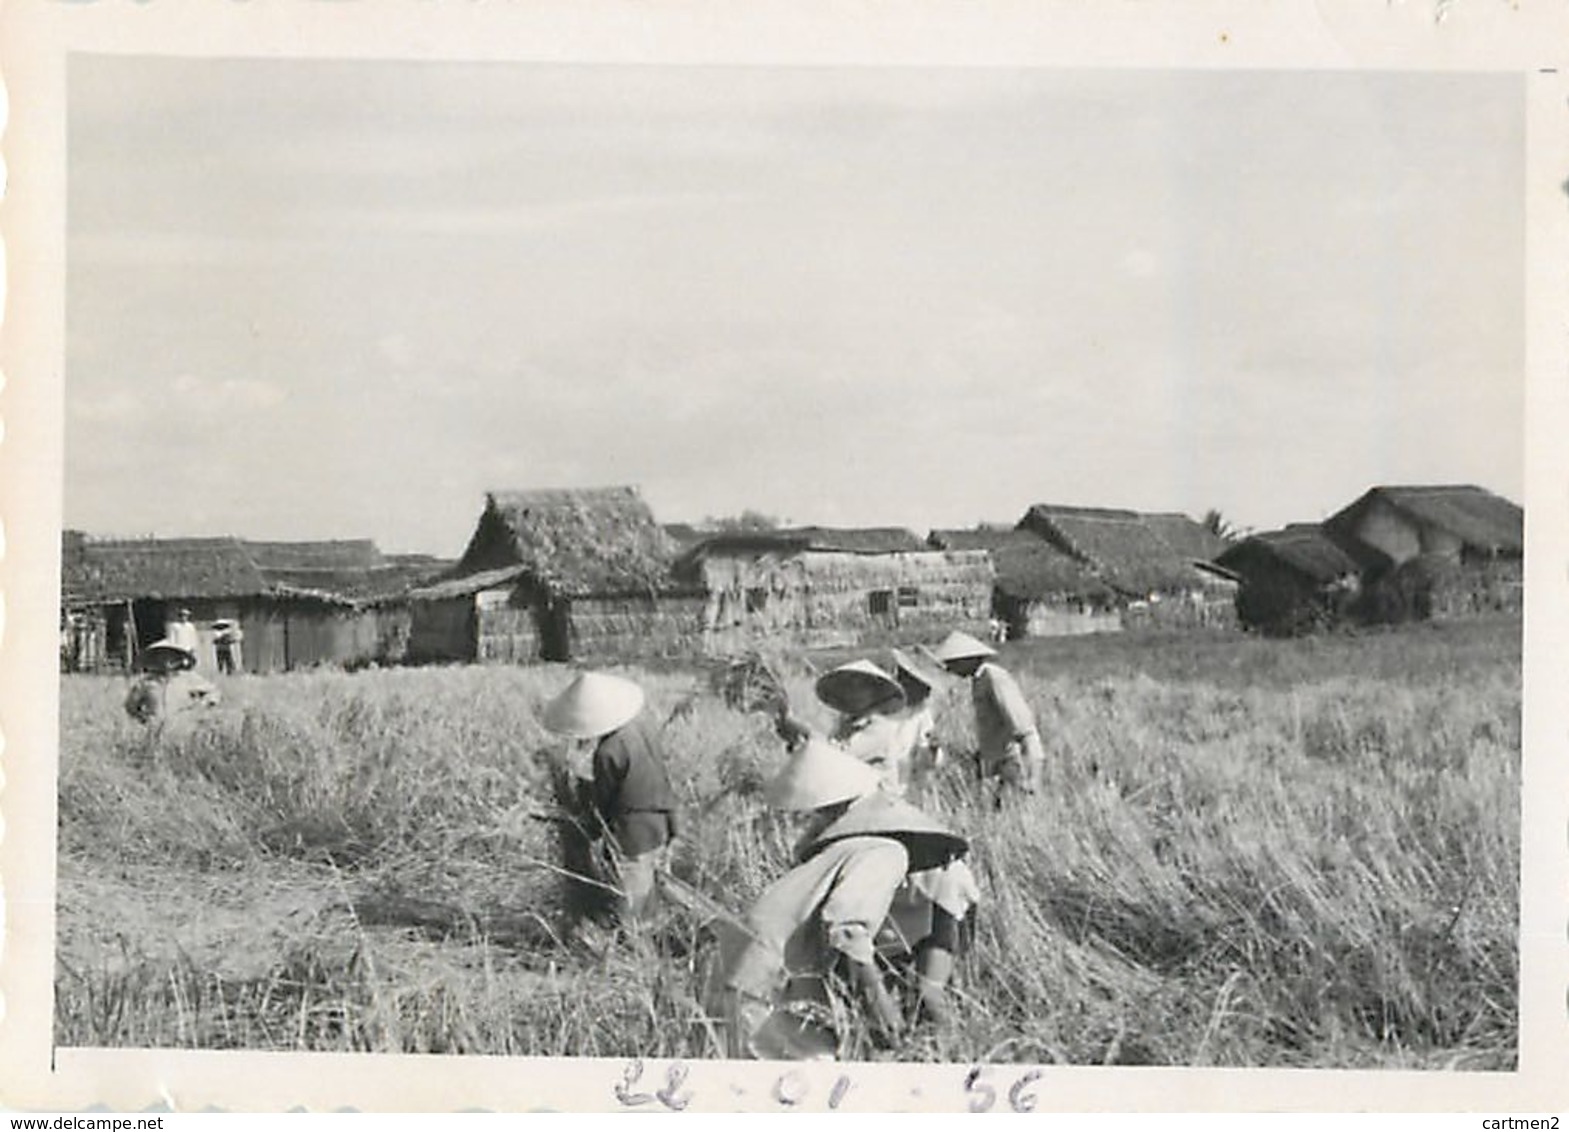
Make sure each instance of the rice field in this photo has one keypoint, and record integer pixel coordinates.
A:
(1248, 853)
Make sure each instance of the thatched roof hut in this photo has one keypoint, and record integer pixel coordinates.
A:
(1449, 550)
(1028, 567)
(345, 572)
(1459, 521)
(1134, 553)
(1294, 580)
(1303, 549)
(298, 603)
(560, 574)
(833, 586)
(573, 542)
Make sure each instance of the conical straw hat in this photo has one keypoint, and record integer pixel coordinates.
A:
(166, 650)
(820, 774)
(918, 668)
(929, 843)
(594, 704)
(961, 646)
(856, 688)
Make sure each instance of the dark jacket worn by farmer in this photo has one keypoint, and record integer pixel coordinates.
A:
(631, 791)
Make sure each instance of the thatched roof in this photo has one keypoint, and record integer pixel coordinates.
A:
(334, 554)
(1303, 548)
(1028, 567)
(1132, 552)
(466, 585)
(796, 540)
(574, 541)
(985, 537)
(113, 570)
(338, 572)
(392, 579)
(341, 567)
(1189, 538)
(1482, 521)
(857, 540)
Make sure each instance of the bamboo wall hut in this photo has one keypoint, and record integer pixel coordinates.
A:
(1161, 564)
(1293, 580)
(298, 604)
(1039, 590)
(560, 575)
(1439, 551)
(120, 594)
(817, 587)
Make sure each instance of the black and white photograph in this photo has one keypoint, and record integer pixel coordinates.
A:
(683, 563)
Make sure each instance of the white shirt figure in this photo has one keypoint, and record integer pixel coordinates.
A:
(181, 632)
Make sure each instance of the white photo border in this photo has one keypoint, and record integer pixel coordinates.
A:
(36, 39)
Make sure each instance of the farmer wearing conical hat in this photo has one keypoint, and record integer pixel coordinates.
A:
(917, 735)
(820, 927)
(630, 794)
(1005, 730)
(887, 723)
(168, 689)
(885, 720)
(869, 703)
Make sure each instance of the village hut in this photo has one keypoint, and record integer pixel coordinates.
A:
(818, 587)
(297, 604)
(1161, 564)
(1039, 591)
(1293, 580)
(1439, 551)
(566, 574)
(356, 571)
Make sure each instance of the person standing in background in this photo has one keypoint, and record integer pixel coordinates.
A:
(182, 634)
(226, 638)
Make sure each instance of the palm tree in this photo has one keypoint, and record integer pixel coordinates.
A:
(1221, 527)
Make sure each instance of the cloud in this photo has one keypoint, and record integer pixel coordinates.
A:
(226, 395)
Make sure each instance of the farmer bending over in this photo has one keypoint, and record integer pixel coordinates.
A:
(630, 795)
(1010, 744)
(815, 936)
(168, 688)
(886, 722)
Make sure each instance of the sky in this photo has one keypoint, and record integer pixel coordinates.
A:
(314, 299)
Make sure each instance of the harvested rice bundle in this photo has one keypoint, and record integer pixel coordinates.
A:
(751, 683)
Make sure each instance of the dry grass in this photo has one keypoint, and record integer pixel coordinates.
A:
(1248, 853)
